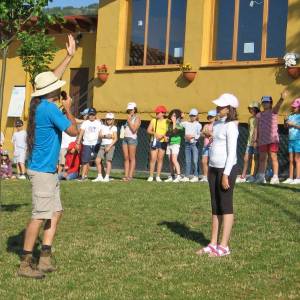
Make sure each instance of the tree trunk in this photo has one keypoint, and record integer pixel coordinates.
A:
(2, 81)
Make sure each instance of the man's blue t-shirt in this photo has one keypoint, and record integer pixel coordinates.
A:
(49, 124)
(294, 133)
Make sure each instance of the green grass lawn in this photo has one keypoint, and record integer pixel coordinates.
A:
(138, 240)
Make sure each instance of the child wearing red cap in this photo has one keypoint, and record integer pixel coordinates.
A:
(157, 129)
(72, 163)
(293, 123)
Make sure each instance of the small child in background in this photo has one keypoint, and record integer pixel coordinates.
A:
(207, 133)
(192, 135)
(251, 153)
(6, 166)
(108, 134)
(72, 162)
(20, 145)
(267, 137)
(175, 130)
(293, 123)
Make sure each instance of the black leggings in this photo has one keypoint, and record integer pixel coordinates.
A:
(221, 200)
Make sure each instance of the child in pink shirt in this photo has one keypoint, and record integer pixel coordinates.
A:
(206, 132)
(267, 137)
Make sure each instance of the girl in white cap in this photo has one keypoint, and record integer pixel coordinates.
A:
(251, 152)
(222, 174)
(109, 137)
(130, 140)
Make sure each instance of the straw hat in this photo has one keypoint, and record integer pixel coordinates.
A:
(46, 83)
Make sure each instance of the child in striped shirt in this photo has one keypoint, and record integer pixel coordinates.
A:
(267, 137)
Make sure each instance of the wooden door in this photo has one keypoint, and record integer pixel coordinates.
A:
(79, 89)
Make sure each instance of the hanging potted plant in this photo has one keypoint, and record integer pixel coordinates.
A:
(290, 63)
(102, 73)
(187, 72)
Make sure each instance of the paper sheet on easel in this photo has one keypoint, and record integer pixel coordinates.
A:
(17, 100)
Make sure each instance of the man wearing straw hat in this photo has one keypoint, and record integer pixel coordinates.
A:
(45, 126)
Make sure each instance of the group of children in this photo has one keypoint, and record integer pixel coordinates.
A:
(97, 140)
(263, 141)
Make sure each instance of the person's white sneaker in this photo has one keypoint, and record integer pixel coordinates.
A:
(106, 179)
(240, 179)
(99, 178)
(251, 179)
(158, 179)
(150, 179)
(274, 180)
(288, 181)
(260, 179)
(169, 179)
(177, 179)
(184, 179)
(194, 179)
(22, 177)
(296, 181)
(203, 179)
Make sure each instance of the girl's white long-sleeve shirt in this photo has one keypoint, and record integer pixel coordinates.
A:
(222, 152)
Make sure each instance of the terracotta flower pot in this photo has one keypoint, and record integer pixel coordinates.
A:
(189, 75)
(294, 72)
(102, 76)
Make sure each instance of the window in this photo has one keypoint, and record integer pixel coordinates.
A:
(249, 31)
(156, 32)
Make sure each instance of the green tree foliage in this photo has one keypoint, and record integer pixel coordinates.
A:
(15, 14)
(36, 52)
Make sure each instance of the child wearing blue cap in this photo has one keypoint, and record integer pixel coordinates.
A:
(206, 133)
(192, 135)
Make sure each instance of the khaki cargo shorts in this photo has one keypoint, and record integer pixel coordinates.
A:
(45, 194)
(106, 155)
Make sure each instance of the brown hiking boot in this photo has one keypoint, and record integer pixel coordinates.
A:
(27, 268)
(45, 263)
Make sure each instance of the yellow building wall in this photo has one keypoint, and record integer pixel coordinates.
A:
(149, 88)
(15, 75)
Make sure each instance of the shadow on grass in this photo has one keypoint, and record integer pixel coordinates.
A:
(294, 189)
(15, 243)
(185, 232)
(11, 207)
(271, 201)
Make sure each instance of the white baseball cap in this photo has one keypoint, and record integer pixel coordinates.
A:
(109, 116)
(227, 99)
(193, 112)
(212, 113)
(131, 105)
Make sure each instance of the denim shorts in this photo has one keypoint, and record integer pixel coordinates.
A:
(130, 141)
(205, 151)
(294, 146)
(251, 150)
(159, 145)
(89, 153)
